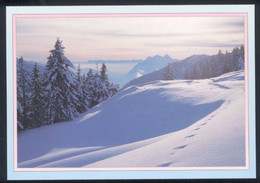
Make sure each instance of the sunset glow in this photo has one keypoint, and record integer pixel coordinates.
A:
(128, 37)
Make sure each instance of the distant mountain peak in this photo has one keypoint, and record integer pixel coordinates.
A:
(149, 65)
(158, 58)
(167, 56)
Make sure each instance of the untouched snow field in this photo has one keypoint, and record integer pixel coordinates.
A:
(179, 123)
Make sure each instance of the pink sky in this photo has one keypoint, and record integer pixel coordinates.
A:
(128, 37)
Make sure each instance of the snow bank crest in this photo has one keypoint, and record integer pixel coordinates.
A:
(161, 124)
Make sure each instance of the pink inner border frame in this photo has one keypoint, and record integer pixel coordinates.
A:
(121, 15)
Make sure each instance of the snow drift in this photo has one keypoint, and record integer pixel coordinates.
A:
(179, 123)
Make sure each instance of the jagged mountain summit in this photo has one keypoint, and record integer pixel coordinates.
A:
(150, 64)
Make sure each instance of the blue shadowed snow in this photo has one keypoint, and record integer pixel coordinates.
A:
(160, 123)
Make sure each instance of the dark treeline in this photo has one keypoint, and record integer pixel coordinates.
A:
(204, 66)
(58, 94)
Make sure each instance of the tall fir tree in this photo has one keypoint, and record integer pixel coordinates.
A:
(235, 58)
(101, 92)
(85, 93)
(90, 88)
(240, 62)
(58, 94)
(22, 95)
(83, 103)
(103, 74)
(37, 98)
(98, 87)
(242, 52)
(112, 89)
(60, 85)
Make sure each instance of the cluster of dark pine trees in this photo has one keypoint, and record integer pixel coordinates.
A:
(58, 94)
(218, 64)
(204, 66)
(168, 72)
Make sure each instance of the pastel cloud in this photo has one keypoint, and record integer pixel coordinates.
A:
(128, 37)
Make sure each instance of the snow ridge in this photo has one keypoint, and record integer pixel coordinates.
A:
(156, 124)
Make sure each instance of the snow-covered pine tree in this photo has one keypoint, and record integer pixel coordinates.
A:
(22, 95)
(79, 73)
(101, 92)
(96, 88)
(84, 105)
(168, 72)
(242, 52)
(221, 65)
(235, 57)
(240, 62)
(89, 89)
(37, 98)
(60, 86)
(112, 89)
(103, 74)
(85, 93)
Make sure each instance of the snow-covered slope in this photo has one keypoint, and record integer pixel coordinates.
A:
(179, 123)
